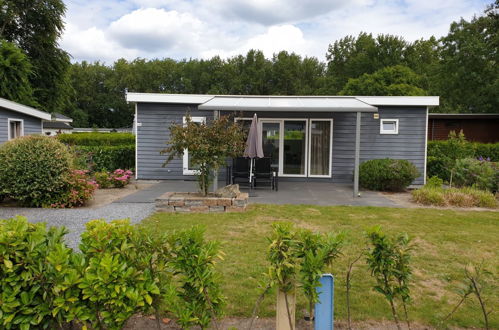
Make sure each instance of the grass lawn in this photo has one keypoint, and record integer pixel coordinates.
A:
(445, 241)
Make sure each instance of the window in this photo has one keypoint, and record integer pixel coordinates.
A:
(188, 169)
(16, 128)
(389, 126)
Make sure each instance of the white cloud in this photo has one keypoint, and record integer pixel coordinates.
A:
(108, 30)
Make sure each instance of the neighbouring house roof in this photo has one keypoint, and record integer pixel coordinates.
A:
(24, 109)
(284, 103)
(56, 125)
(464, 115)
(62, 118)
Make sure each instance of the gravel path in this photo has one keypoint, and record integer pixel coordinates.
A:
(74, 219)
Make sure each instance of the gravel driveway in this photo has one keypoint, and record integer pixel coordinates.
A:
(74, 219)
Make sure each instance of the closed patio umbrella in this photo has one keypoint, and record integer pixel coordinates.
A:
(254, 148)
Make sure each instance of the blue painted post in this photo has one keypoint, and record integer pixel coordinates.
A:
(324, 309)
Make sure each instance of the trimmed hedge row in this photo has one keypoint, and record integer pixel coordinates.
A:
(105, 158)
(97, 139)
(443, 154)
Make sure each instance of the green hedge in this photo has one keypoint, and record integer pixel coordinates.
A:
(105, 158)
(387, 174)
(97, 139)
(442, 155)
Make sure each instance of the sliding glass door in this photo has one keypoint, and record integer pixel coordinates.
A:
(295, 148)
(298, 147)
(320, 147)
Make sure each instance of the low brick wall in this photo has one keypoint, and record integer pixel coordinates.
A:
(193, 202)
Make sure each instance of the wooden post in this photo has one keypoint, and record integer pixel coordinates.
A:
(282, 319)
(216, 115)
(357, 157)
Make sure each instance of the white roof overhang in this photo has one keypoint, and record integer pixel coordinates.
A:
(167, 98)
(24, 109)
(287, 103)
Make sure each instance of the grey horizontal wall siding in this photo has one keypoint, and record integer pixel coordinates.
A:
(408, 144)
(32, 125)
(152, 135)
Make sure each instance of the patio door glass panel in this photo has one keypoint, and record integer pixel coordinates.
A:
(320, 148)
(270, 140)
(294, 147)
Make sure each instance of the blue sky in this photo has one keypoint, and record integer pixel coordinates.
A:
(106, 30)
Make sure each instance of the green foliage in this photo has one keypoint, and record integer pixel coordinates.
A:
(442, 155)
(113, 282)
(15, 71)
(209, 146)
(103, 179)
(460, 197)
(388, 260)
(387, 174)
(434, 182)
(105, 158)
(35, 170)
(97, 139)
(480, 174)
(316, 252)
(79, 189)
(394, 80)
(35, 27)
(467, 78)
(197, 299)
(39, 277)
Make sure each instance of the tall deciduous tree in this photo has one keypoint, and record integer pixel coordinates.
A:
(393, 80)
(15, 70)
(35, 26)
(468, 75)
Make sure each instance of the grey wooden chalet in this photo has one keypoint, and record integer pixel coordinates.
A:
(321, 138)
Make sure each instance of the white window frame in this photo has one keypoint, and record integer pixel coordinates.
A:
(9, 120)
(185, 161)
(330, 148)
(382, 131)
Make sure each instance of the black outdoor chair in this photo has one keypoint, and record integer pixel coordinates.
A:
(240, 170)
(264, 173)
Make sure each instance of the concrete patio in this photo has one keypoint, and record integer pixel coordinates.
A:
(312, 193)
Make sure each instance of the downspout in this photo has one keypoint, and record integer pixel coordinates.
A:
(216, 115)
(357, 157)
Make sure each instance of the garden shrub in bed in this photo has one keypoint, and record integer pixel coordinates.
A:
(387, 174)
(34, 170)
(460, 197)
(117, 179)
(478, 173)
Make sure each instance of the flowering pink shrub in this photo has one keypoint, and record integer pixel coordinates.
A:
(121, 178)
(116, 179)
(79, 190)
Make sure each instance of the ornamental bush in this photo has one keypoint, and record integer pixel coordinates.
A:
(80, 188)
(113, 282)
(117, 179)
(478, 173)
(39, 277)
(387, 174)
(34, 170)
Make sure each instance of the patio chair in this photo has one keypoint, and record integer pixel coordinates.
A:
(240, 171)
(265, 174)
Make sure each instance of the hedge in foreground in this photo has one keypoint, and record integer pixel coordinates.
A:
(34, 170)
(97, 139)
(105, 158)
(460, 197)
(387, 174)
(120, 271)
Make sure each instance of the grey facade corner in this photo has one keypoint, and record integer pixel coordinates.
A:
(31, 125)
